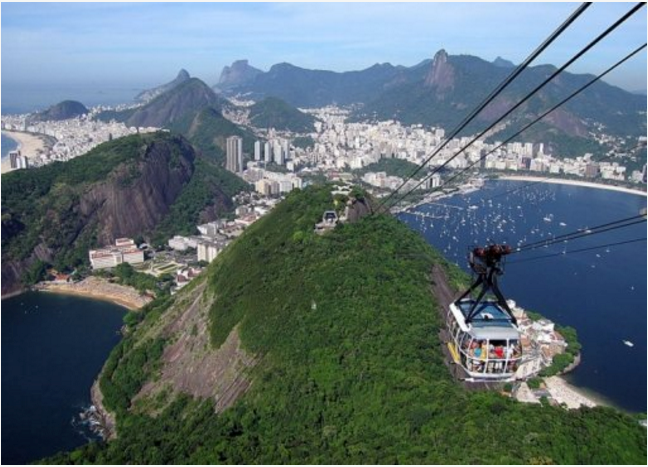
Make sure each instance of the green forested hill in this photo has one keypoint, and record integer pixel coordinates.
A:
(343, 328)
(208, 131)
(272, 112)
(61, 111)
(153, 185)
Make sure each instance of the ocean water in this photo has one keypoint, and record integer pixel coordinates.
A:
(8, 144)
(53, 347)
(19, 98)
(601, 293)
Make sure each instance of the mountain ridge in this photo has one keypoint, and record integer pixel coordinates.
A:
(149, 94)
(441, 91)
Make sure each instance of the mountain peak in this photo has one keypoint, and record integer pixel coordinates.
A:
(149, 94)
(441, 74)
(239, 73)
(441, 55)
(183, 75)
(503, 63)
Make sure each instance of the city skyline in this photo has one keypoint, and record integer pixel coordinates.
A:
(146, 44)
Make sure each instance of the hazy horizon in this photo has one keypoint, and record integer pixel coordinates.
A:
(143, 45)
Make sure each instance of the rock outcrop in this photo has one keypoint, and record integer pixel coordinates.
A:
(131, 199)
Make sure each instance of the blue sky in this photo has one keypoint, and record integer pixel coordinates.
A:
(147, 43)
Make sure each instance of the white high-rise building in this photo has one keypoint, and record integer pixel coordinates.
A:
(267, 154)
(234, 162)
(208, 251)
(278, 153)
(257, 151)
(285, 149)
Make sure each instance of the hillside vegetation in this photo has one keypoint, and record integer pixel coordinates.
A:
(275, 113)
(349, 368)
(138, 185)
(208, 131)
(61, 111)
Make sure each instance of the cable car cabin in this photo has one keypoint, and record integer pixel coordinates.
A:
(488, 347)
(485, 339)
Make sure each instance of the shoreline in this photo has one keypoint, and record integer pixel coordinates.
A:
(572, 396)
(29, 145)
(563, 181)
(98, 289)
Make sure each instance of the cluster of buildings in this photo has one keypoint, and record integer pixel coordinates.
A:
(124, 251)
(215, 236)
(268, 155)
(212, 239)
(69, 138)
(270, 183)
(541, 342)
(341, 145)
(274, 150)
(392, 182)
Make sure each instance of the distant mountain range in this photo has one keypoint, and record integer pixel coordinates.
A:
(442, 91)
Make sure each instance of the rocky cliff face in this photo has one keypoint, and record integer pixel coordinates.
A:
(441, 74)
(238, 74)
(131, 200)
(139, 206)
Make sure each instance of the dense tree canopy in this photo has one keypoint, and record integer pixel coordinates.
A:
(351, 371)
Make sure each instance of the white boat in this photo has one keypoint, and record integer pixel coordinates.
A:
(628, 343)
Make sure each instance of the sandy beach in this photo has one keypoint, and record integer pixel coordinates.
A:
(565, 393)
(561, 181)
(29, 145)
(101, 289)
(560, 391)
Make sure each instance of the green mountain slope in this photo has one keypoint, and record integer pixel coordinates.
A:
(192, 109)
(61, 111)
(208, 131)
(188, 97)
(126, 187)
(342, 364)
(272, 112)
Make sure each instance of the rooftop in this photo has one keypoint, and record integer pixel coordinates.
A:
(490, 320)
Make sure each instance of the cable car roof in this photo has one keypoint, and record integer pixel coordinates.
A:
(490, 321)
